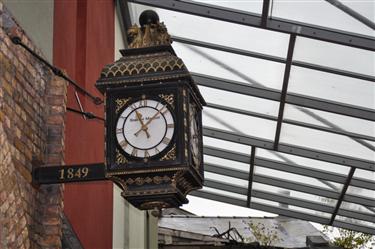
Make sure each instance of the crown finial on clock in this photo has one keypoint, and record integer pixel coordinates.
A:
(151, 33)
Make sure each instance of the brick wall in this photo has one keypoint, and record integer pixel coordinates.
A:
(32, 111)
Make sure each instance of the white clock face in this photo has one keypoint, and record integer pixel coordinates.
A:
(145, 128)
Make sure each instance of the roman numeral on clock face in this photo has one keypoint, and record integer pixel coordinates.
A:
(157, 151)
(166, 140)
(123, 144)
(147, 154)
(134, 152)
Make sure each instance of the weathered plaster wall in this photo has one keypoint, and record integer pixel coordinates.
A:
(36, 18)
(32, 111)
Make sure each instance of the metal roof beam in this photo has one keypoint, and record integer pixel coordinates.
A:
(255, 20)
(291, 98)
(368, 202)
(236, 87)
(288, 66)
(251, 175)
(362, 183)
(226, 154)
(291, 121)
(289, 149)
(356, 215)
(333, 70)
(217, 169)
(331, 106)
(265, 10)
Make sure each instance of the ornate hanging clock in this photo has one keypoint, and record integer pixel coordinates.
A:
(153, 120)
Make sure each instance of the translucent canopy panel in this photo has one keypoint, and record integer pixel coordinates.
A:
(206, 29)
(238, 123)
(335, 56)
(242, 5)
(291, 208)
(291, 195)
(225, 193)
(365, 175)
(311, 167)
(256, 72)
(354, 207)
(242, 184)
(370, 225)
(234, 147)
(239, 101)
(367, 193)
(332, 87)
(320, 12)
(330, 120)
(328, 142)
(222, 208)
(279, 174)
(229, 164)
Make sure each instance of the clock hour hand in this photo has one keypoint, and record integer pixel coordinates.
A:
(149, 121)
(144, 127)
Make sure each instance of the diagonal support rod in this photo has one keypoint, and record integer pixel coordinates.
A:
(88, 115)
(352, 13)
(342, 195)
(16, 40)
(288, 66)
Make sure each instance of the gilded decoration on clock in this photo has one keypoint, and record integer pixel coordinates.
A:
(142, 180)
(169, 98)
(120, 103)
(120, 158)
(171, 155)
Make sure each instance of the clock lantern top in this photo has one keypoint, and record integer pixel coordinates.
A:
(149, 59)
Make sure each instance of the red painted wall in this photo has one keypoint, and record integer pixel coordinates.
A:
(83, 44)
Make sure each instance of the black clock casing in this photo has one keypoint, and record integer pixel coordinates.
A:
(162, 180)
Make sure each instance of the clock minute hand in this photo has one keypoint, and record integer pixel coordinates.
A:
(149, 121)
(144, 127)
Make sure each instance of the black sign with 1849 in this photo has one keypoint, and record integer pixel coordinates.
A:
(69, 173)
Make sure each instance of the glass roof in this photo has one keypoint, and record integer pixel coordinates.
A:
(289, 127)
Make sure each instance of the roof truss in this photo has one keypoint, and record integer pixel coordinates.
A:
(324, 213)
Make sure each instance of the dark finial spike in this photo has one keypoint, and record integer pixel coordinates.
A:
(148, 17)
